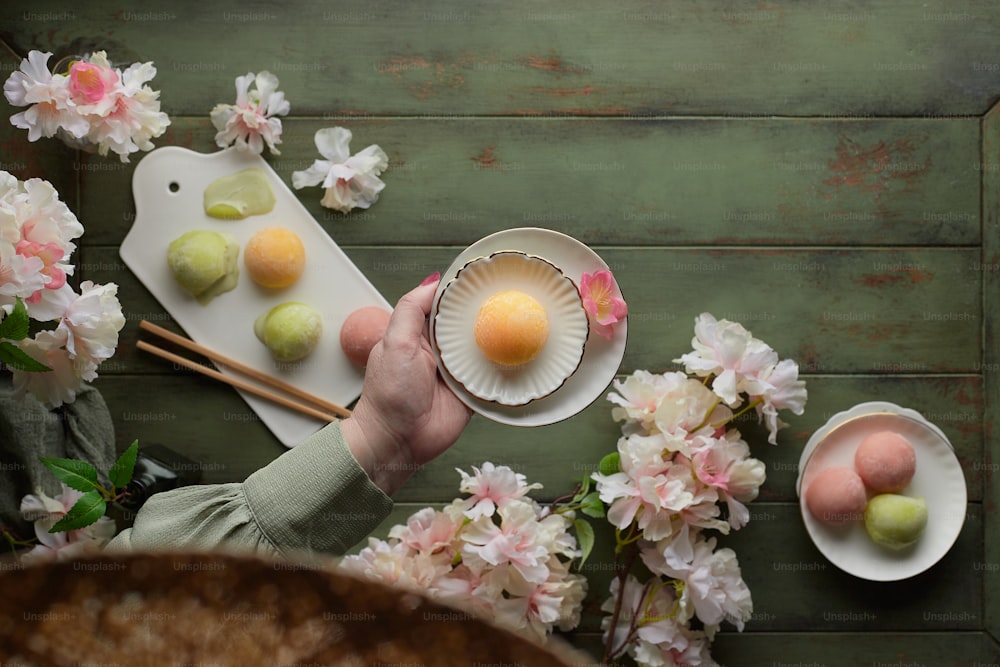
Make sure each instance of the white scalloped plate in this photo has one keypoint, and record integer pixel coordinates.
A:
(938, 479)
(601, 357)
(168, 185)
(455, 324)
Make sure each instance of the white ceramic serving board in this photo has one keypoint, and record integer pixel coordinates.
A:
(168, 186)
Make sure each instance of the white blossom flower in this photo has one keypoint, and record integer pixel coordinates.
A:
(53, 387)
(713, 583)
(728, 351)
(689, 408)
(47, 98)
(92, 322)
(784, 391)
(638, 397)
(252, 121)
(351, 181)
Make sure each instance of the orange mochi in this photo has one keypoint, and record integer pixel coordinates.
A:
(511, 328)
(274, 257)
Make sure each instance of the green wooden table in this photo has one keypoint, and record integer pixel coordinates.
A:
(827, 173)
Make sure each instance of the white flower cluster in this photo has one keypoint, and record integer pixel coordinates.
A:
(93, 104)
(37, 231)
(677, 464)
(496, 553)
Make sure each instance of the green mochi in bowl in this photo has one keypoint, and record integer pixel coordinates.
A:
(895, 521)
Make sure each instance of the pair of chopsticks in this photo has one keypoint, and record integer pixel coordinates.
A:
(318, 408)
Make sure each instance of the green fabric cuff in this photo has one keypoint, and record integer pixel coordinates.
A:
(316, 496)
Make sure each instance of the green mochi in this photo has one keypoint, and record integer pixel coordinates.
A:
(205, 263)
(290, 330)
(895, 521)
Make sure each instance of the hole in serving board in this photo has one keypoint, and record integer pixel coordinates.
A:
(174, 186)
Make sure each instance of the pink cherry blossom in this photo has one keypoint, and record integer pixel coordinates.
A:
(393, 563)
(428, 531)
(603, 301)
(491, 487)
(725, 465)
(50, 254)
(89, 83)
(513, 542)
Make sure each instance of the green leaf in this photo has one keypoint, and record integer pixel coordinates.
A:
(88, 509)
(591, 505)
(610, 464)
(585, 538)
(121, 472)
(15, 325)
(17, 359)
(78, 475)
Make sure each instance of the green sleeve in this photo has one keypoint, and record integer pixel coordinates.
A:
(314, 497)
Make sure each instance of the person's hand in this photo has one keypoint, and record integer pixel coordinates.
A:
(406, 415)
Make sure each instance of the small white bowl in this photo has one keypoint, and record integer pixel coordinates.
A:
(458, 307)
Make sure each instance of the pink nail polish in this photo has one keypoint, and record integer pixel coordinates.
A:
(433, 278)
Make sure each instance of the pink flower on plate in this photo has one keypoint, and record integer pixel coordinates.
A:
(252, 122)
(89, 83)
(603, 301)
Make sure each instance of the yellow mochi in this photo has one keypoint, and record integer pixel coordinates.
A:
(511, 328)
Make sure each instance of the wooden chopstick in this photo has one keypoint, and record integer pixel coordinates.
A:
(327, 413)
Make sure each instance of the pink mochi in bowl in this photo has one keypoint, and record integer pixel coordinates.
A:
(837, 496)
(885, 461)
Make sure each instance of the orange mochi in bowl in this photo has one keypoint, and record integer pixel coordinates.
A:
(510, 328)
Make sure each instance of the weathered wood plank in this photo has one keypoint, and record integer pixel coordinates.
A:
(827, 649)
(624, 181)
(640, 57)
(879, 311)
(991, 374)
(222, 432)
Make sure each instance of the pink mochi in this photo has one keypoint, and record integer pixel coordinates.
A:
(885, 461)
(837, 496)
(361, 331)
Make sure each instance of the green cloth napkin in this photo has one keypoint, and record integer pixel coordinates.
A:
(29, 429)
